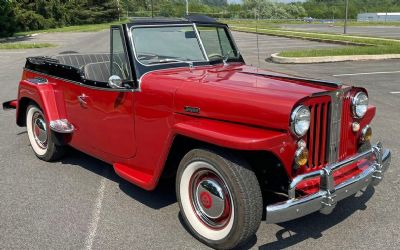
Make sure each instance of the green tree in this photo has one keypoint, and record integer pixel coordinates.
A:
(7, 18)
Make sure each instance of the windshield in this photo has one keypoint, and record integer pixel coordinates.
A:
(217, 43)
(168, 44)
(155, 45)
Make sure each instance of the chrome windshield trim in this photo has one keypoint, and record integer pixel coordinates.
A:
(201, 42)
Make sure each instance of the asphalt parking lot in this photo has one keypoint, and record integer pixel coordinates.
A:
(379, 31)
(80, 202)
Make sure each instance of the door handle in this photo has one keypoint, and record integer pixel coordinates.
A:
(82, 99)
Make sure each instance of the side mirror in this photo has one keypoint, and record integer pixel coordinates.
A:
(115, 82)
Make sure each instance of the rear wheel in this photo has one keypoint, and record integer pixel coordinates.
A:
(219, 197)
(40, 135)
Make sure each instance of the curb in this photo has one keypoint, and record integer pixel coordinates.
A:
(326, 59)
(13, 38)
(307, 38)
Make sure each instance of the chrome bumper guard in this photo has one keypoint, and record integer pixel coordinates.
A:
(326, 198)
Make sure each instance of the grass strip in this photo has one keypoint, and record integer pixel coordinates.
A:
(76, 28)
(25, 45)
(342, 51)
(277, 23)
(378, 46)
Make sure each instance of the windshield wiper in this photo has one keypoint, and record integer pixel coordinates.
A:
(225, 57)
(169, 60)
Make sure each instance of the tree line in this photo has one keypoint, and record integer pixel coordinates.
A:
(25, 15)
(328, 9)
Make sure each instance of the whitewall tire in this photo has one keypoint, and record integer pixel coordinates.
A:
(40, 135)
(219, 197)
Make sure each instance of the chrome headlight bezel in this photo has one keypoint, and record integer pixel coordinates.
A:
(300, 129)
(356, 102)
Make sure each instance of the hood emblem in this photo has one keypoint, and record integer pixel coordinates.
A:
(189, 109)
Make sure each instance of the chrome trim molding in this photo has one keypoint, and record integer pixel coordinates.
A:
(335, 124)
(328, 195)
(62, 126)
(203, 49)
(38, 80)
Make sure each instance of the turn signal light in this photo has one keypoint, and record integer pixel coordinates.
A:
(366, 134)
(301, 156)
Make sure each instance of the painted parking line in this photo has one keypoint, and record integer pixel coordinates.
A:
(369, 73)
(96, 214)
(395, 92)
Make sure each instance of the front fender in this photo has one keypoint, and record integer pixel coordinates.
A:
(237, 136)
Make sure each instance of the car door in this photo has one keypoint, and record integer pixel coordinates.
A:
(109, 112)
(69, 92)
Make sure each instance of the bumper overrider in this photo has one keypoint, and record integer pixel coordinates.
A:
(328, 195)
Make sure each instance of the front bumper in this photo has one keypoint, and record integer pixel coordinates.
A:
(328, 195)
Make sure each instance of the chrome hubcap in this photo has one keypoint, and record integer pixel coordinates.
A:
(210, 199)
(39, 130)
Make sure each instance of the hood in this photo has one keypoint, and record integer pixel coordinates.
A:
(239, 93)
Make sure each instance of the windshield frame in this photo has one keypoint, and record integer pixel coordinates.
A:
(230, 38)
(145, 68)
(167, 25)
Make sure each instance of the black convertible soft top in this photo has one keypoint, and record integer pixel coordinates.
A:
(193, 18)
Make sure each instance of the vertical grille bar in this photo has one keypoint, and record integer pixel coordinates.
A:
(311, 137)
(324, 132)
(346, 127)
(317, 134)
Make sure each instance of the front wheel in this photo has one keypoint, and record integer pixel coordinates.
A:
(219, 197)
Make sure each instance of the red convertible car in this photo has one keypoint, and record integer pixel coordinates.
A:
(174, 97)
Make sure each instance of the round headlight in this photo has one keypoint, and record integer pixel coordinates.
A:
(300, 120)
(360, 104)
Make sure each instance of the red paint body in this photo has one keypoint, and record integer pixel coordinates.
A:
(134, 130)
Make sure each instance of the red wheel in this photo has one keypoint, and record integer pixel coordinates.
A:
(209, 195)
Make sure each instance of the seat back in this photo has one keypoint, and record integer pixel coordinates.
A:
(100, 72)
(80, 60)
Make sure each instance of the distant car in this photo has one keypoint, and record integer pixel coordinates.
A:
(174, 97)
(308, 19)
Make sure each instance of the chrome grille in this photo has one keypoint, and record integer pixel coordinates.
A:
(318, 134)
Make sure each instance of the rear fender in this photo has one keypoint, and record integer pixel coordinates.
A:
(44, 95)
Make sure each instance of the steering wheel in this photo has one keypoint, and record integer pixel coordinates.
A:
(147, 56)
(216, 55)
